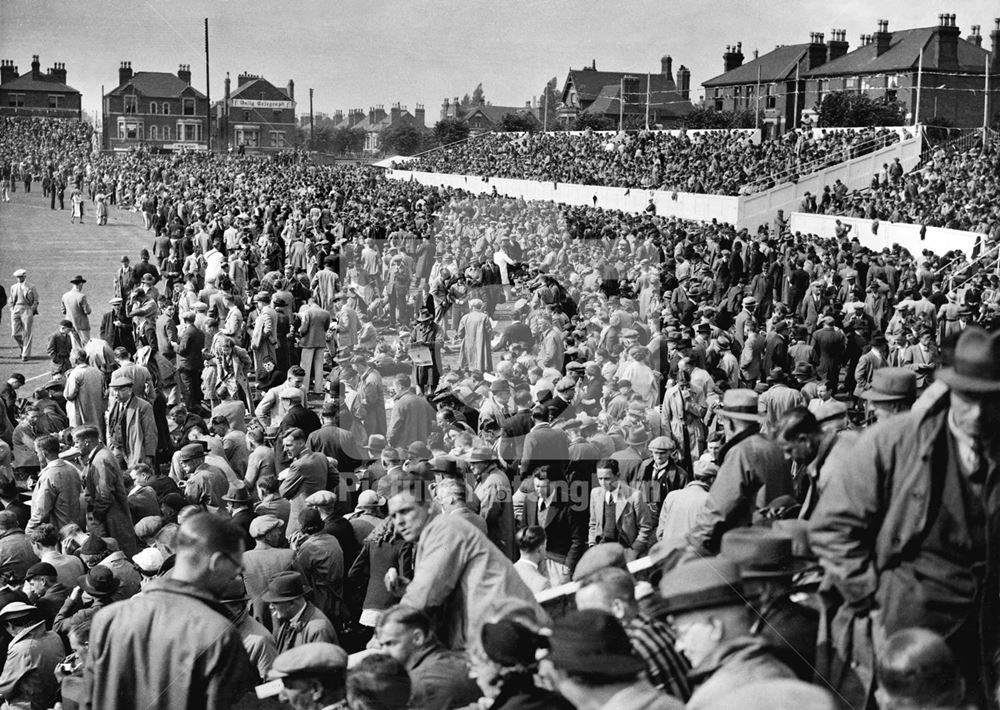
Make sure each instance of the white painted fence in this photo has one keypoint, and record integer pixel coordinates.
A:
(936, 239)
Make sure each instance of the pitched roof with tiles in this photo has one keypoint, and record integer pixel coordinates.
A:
(589, 82)
(777, 65)
(27, 83)
(904, 53)
(156, 84)
(495, 114)
(255, 87)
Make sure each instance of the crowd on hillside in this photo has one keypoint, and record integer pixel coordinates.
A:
(361, 443)
(713, 162)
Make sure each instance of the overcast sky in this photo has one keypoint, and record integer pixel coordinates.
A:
(358, 53)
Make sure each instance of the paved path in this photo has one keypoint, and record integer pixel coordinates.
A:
(53, 251)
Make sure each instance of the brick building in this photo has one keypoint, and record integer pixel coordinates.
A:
(481, 118)
(258, 116)
(35, 93)
(951, 71)
(776, 74)
(793, 79)
(156, 110)
(600, 93)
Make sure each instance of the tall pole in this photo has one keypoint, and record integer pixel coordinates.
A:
(312, 130)
(756, 113)
(208, 94)
(986, 101)
(920, 76)
(621, 104)
(795, 116)
(648, 81)
(545, 110)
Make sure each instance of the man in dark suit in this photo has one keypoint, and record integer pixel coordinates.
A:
(240, 508)
(776, 347)
(296, 417)
(544, 445)
(556, 506)
(190, 361)
(335, 442)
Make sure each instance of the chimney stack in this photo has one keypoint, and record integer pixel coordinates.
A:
(57, 73)
(244, 78)
(733, 58)
(946, 38)
(883, 38)
(419, 115)
(291, 90)
(837, 46)
(184, 73)
(8, 72)
(684, 82)
(667, 66)
(124, 73)
(975, 37)
(36, 68)
(394, 113)
(817, 50)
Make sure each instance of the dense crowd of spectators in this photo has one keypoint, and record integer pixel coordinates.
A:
(956, 187)
(327, 413)
(716, 162)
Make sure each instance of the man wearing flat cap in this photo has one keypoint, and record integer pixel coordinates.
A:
(495, 498)
(130, 426)
(904, 523)
(312, 677)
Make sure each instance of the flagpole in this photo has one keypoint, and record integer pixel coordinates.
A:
(647, 100)
(920, 74)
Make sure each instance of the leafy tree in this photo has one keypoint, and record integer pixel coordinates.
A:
(703, 117)
(842, 108)
(478, 95)
(450, 130)
(466, 101)
(517, 123)
(322, 139)
(347, 140)
(594, 122)
(401, 139)
(548, 104)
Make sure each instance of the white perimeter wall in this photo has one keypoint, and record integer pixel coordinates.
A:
(936, 239)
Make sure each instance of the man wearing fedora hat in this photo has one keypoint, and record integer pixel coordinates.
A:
(591, 663)
(129, 423)
(631, 457)
(76, 308)
(904, 521)
(296, 620)
(706, 601)
(239, 505)
(892, 390)
(752, 471)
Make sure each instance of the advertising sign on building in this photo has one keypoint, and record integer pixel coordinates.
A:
(255, 103)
